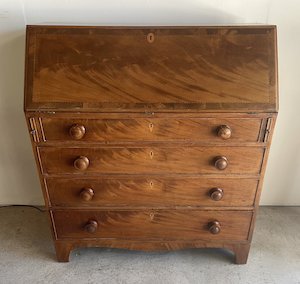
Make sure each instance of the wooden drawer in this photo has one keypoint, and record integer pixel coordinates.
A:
(152, 224)
(158, 191)
(151, 129)
(154, 160)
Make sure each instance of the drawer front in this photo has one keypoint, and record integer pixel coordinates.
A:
(152, 224)
(154, 129)
(154, 160)
(134, 192)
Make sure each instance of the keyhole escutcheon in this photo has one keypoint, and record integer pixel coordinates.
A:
(151, 154)
(152, 216)
(151, 126)
(151, 184)
(150, 37)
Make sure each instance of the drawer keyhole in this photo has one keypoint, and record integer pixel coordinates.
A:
(152, 216)
(150, 37)
(151, 125)
(151, 154)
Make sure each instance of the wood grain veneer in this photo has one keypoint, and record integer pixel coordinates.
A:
(152, 129)
(154, 160)
(117, 69)
(153, 224)
(159, 191)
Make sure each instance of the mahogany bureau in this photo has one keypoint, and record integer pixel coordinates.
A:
(151, 138)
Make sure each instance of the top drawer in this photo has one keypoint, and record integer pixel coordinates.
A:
(152, 129)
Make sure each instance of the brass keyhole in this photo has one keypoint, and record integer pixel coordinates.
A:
(151, 126)
(152, 216)
(151, 154)
(150, 37)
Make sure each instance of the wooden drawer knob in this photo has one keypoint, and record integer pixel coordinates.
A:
(87, 194)
(224, 131)
(77, 131)
(216, 194)
(91, 226)
(81, 163)
(221, 162)
(214, 227)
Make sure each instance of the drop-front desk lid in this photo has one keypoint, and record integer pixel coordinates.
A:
(137, 69)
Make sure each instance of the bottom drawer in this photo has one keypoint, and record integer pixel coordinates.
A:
(153, 224)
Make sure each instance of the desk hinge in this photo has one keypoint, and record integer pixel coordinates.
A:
(33, 130)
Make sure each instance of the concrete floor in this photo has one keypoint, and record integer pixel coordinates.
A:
(27, 256)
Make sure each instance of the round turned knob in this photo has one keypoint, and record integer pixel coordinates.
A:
(81, 163)
(91, 226)
(221, 163)
(214, 227)
(224, 131)
(77, 131)
(87, 194)
(216, 194)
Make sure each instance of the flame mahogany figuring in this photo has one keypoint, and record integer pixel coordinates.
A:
(151, 138)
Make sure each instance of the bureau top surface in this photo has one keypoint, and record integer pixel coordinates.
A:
(161, 69)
